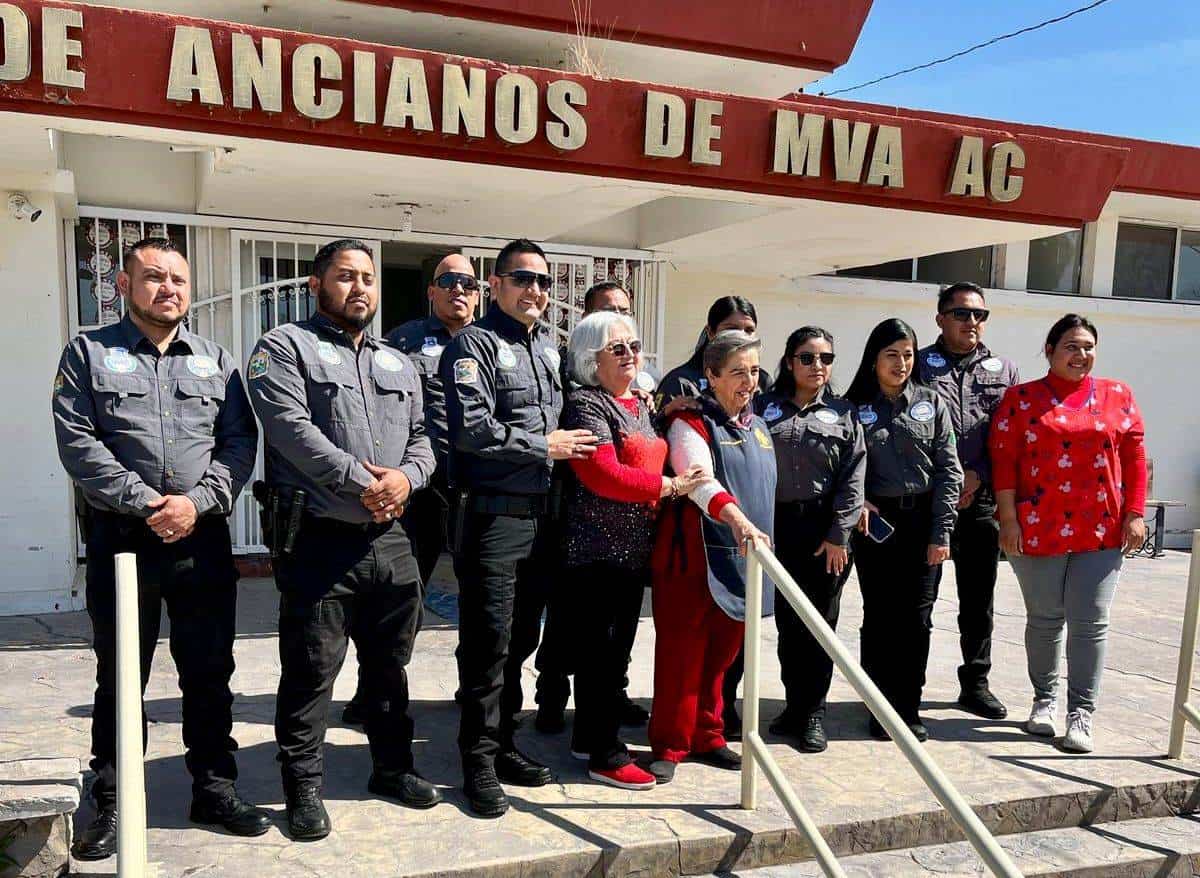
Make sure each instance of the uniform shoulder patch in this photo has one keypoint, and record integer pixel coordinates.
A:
(763, 438)
(259, 363)
(466, 371)
(772, 412)
(867, 415)
(934, 359)
(59, 381)
(388, 361)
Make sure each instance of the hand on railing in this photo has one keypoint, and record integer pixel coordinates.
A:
(744, 530)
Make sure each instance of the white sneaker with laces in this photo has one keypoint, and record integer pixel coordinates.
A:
(1042, 721)
(1079, 731)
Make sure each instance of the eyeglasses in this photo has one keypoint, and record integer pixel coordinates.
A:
(523, 278)
(624, 349)
(616, 309)
(448, 280)
(962, 315)
(807, 358)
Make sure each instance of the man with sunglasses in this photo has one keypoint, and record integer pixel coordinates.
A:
(971, 380)
(453, 294)
(504, 396)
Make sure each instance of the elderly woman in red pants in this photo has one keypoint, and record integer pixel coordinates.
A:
(699, 564)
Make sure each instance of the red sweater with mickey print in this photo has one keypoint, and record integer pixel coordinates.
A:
(1074, 454)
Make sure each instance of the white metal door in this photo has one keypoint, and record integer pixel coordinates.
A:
(270, 275)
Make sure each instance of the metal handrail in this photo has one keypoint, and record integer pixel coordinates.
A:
(1185, 711)
(755, 752)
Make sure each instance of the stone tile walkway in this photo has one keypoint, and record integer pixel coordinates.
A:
(861, 790)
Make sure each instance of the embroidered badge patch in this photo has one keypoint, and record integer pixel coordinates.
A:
(388, 361)
(505, 356)
(772, 413)
(645, 381)
(992, 364)
(466, 371)
(763, 439)
(258, 365)
(935, 359)
(826, 416)
(59, 381)
(867, 415)
(328, 353)
(202, 366)
(552, 357)
(119, 360)
(430, 347)
(921, 411)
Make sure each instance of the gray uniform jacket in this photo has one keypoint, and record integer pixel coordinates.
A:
(326, 408)
(910, 450)
(819, 452)
(133, 425)
(971, 387)
(504, 394)
(424, 341)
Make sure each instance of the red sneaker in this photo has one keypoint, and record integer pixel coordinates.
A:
(627, 777)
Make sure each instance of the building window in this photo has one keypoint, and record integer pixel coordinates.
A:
(974, 265)
(1145, 261)
(1189, 266)
(901, 269)
(1054, 263)
(100, 246)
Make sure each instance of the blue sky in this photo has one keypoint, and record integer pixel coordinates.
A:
(1129, 67)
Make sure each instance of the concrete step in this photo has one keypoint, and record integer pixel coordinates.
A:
(1156, 846)
(37, 799)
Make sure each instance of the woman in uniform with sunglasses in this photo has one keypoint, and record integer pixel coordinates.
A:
(913, 483)
(822, 465)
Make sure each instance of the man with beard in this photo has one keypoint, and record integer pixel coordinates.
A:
(154, 428)
(453, 296)
(346, 447)
(504, 395)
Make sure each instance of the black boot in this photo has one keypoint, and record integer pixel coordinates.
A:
(406, 786)
(307, 818)
(99, 840)
(514, 767)
(232, 812)
(981, 702)
(484, 793)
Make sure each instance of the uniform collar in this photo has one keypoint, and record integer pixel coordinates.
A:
(436, 328)
(980, 353)
(510, 328)
(134, 336)
(818, 402)
(902, 401)
(327, 327)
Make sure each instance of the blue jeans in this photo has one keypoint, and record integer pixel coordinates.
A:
(1076, 590)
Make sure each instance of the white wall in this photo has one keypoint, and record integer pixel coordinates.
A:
(1151, 345)
(37, 531)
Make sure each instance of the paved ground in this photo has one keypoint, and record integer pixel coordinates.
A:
(860, 788)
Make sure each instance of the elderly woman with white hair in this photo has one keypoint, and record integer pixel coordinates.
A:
(611, 511)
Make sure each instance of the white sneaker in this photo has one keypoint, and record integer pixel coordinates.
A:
(1079, 731)
(1042, 721)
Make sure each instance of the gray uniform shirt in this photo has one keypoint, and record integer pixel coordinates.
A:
(911, 450)
(133, 425)
(971, 386)
(819, 452)
(326, 407)
(423, 341)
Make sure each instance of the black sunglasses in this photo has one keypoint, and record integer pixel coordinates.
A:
(807, 358)
(624, 349)
(448, 280)
(962, 315)
(524, 278)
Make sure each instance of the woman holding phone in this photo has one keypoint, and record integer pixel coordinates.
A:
(912, 487)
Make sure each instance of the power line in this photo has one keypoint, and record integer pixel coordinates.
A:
(974, 48)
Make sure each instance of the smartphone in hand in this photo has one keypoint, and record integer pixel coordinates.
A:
(878, 528)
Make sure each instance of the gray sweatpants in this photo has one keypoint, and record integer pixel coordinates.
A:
(1076, 589)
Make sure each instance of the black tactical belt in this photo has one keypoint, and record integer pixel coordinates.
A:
(904, 501)
(516, 505)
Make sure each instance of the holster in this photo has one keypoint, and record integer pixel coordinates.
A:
(280, 511)
(83, 515)
(457, 520)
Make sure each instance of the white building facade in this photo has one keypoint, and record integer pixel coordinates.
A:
(249, 167)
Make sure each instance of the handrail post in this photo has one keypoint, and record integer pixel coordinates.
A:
(754, 586)
(1187, 652)
(131, 769)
